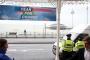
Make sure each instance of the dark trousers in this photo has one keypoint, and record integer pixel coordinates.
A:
(65, 55)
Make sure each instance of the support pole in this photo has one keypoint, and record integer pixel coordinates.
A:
(58, 9)
(72, 13)
(87, 12)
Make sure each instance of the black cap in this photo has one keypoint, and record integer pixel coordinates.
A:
(68, 35)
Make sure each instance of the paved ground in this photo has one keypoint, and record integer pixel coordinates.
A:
(32, 40)
(31, 51)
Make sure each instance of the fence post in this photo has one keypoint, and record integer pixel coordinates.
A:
(16, 34)
(6, 34)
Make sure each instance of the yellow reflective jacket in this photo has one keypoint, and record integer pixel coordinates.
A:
(68, 45)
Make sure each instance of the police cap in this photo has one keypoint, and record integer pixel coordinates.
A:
(68, 35)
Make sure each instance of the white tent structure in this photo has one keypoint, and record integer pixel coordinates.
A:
(44, 2)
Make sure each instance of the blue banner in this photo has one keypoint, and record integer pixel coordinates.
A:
(9, 12)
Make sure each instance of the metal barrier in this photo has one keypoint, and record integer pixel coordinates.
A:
(29, 35)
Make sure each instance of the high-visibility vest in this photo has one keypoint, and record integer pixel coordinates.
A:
(79, 44)
(68, 45)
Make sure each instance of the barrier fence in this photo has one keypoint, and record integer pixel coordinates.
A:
(29, 35)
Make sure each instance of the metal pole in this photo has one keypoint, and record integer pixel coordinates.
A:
(72, 20)
(45, 30)
(87, 12)
(72, 12)
(58, 9)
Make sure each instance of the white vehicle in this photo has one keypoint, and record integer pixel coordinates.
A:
(76, 33)
(62, 27)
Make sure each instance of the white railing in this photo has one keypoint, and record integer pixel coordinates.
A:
(29, 35)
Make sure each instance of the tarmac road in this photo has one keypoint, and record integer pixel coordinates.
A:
(31, 51)
(31, 40)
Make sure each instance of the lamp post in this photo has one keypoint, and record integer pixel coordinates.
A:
(45, 30)
(72, 13)
(58, 9)
(87, 13)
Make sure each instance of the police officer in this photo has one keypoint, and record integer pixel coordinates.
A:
(79, 44)
(67, 48)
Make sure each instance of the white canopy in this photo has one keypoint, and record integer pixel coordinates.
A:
(44, 1)
(40, 3)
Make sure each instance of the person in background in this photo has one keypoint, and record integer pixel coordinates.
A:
(84, 53)
(25, 32)
(3, 49)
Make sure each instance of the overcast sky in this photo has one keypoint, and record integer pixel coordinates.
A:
(79, 15)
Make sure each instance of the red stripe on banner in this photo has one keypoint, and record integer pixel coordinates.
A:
(19, 12)
(41, 9)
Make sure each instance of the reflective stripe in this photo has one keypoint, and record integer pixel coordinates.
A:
(79, 44)
(68, 49)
